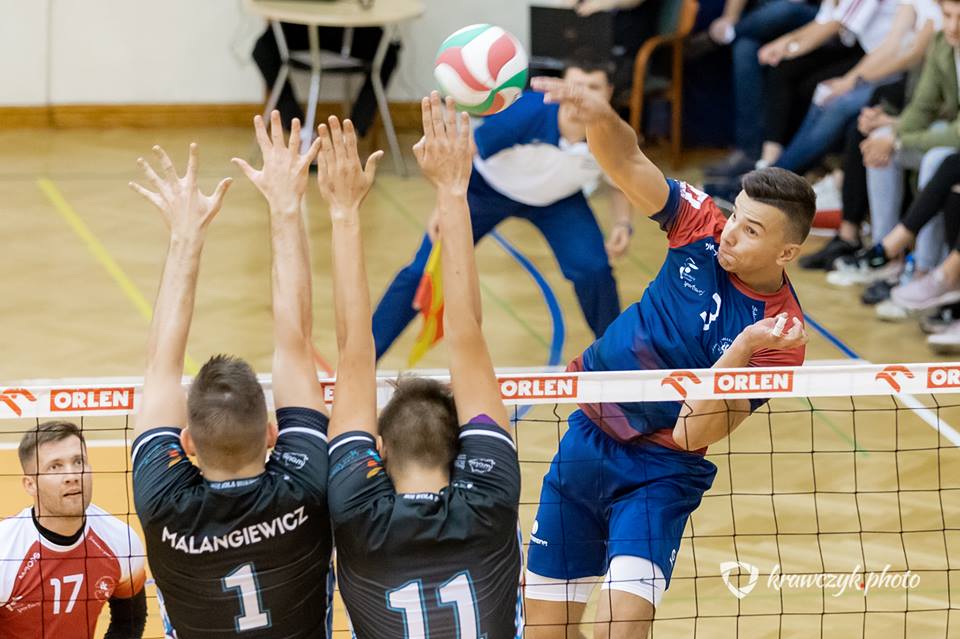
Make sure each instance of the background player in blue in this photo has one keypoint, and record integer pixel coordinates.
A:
(424, 511)
(616, 499)
(532, 162)
(238, 547)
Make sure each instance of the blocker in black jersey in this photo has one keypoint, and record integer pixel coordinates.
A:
(247, 557)
(432, 565)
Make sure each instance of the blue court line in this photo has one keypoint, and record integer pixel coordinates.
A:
(830, 337)
(555, 357)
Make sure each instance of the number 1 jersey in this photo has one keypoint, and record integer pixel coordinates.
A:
(247, 557)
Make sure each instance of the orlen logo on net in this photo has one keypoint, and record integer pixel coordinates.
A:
(678, 379)
(753, 381)
(889, 375)
(70, 399)
(539, 388)
(10, 398)
(943, 377)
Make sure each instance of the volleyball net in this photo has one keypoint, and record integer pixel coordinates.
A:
(835, 509)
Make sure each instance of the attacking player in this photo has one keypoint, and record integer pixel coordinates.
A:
(424, 510)
(532, 162)
(615, 501)
(63, 558)
(238, 547)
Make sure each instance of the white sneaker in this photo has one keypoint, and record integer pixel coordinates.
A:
(829, 197)
(946, 342)
(890, 311)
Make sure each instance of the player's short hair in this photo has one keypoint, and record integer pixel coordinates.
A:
(789, 193)
(589, 61)
(45, 433)
(227, 413)
(419, 423)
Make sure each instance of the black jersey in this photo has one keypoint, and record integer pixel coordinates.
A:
(429, 565)
(246, 557)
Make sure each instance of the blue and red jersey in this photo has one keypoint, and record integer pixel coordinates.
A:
(688, 316)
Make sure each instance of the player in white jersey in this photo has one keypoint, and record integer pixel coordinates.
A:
(63, 558)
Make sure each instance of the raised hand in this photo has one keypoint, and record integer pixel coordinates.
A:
(760, 335)
(343, 181)
(186, 210)
(588, 106)
(445, 152)
(283, 178)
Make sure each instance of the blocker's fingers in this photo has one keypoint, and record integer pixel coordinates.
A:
(350, 139)
(427, 117)
(166, 163)
(261, 131)
(436, 113)
(450, 118)
(150, 173)
(244, 166)
(147, 194)
(370, 170)
(294, 142)
(192, 158)
(276, 129)
(336, 137)
(464, 131)
(312, 151)
(220, 191)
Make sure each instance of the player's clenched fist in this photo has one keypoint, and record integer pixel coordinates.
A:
(343, 181)
(445, 152)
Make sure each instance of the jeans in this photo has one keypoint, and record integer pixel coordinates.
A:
(885, 191)
(770, 20)
(570, 229)
(822, 128)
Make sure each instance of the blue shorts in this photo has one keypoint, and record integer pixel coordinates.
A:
(601, 499)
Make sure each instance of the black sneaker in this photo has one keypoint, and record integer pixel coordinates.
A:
(825, 257)
(938, 321)
(735, 164)
(877, 292)
(866, 266)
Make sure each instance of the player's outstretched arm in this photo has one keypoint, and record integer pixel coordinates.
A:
(283, 181)
(445, 155)
(705, 422)
(187, 213)
(613, 143)
(344, 183)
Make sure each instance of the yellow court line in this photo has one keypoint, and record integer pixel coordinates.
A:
(103, 256)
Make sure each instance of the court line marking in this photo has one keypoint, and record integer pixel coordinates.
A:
(914, 404)
(103, 256)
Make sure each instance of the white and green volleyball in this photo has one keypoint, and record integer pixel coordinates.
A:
(482, 67)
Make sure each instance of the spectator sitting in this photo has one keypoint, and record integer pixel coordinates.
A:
(266, 54)
(746, 33)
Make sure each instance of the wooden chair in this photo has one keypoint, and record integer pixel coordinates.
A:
(676, 21)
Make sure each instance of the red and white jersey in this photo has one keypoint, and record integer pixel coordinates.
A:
(48, 591)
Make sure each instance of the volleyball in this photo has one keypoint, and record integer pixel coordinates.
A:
(482, 67)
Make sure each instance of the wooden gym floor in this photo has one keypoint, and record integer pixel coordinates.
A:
(81, 261)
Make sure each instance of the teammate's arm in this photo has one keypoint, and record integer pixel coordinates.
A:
(445, 155)
(187, 212)
(613, 143)
(128, 617)
(705, 422)
(618, 241)
(344, 183)
(283, 181)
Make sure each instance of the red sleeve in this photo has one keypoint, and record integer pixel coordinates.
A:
(689, 215)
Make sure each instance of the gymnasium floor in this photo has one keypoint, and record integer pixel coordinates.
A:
(81, 261)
